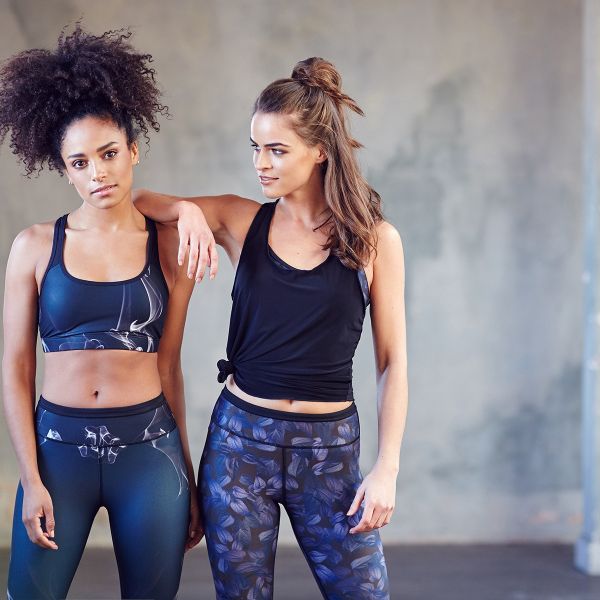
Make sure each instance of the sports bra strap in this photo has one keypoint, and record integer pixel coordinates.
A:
(58, 241)
(152, 241)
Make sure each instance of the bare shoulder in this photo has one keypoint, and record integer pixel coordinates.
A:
(388, 237)
(30, 253)
(241, 211)
(33, 243)
(238, 214)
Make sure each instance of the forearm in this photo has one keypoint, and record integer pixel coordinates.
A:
(173, 389)
(392, 404)
(19, 401)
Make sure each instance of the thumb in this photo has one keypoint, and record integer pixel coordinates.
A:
(360, 493)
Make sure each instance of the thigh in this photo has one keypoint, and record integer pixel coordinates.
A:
(240, 482)
(73, 484)
(320, 486)
(146, 493)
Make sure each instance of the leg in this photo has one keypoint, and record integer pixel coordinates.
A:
(239, 484)
(73, 484)
(320, 486)
(146, 493)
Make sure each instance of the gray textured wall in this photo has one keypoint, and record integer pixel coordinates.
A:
(473, 139)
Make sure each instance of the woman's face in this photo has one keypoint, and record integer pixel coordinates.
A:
(98, 161)
(283, 161)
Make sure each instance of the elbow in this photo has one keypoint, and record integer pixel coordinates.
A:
(389, 365)
(169, 370)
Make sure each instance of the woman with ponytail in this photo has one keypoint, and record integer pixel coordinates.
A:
(285, 431)
(103, 285)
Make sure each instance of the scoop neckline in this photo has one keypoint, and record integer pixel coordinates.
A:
(275, 258)
(93, 281)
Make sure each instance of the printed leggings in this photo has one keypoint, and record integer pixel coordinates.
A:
(127, 459)
(256, 459)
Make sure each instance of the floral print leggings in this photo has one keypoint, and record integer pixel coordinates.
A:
(257, 459)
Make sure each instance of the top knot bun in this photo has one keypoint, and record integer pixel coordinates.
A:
(320, 73)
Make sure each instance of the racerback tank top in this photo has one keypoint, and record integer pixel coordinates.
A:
(293, 332)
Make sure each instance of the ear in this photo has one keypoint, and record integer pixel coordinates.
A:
(135, 153)
(320, 156)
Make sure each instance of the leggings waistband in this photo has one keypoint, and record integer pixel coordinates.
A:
(278, 428)
(113, 411)
(121, 425)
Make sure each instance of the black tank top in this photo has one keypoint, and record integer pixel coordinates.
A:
(293, 332)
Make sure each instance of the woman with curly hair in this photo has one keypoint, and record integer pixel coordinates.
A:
(103, 285)
(285, 431)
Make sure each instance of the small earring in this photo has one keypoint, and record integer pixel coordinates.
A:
(70, 182)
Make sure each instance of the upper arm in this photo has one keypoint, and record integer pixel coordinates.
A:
(27, 261)
(169, 349)
(180, 292)
(387, 299)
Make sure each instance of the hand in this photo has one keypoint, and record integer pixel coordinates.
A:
(195, 530)
(37, 505)
(195, 233)
(378, 491)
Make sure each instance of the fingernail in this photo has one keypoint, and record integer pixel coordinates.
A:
(212, 276)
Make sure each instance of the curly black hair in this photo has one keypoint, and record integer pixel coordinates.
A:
(43, 91)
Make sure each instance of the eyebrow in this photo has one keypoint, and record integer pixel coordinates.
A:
(80, 155)
(271, 145)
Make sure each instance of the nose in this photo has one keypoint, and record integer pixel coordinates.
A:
(98, 172)
(261, 160)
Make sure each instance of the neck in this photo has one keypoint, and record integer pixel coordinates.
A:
(307, 203)
(121, 216)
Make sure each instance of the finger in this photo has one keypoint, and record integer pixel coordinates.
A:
(203, 261)
(381, 519)
(388, 517)
(365, 523)
(49, 519)
(214, 260)
(184, 239)
(192, 258)
(37, 535)
(195, 539)
(356, 502)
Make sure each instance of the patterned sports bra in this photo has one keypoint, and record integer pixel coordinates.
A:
(77, 314)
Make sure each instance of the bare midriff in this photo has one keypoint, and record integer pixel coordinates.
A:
(100, 378)
(292, 406)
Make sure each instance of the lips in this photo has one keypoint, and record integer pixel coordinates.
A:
(266, 180)
(103, 189)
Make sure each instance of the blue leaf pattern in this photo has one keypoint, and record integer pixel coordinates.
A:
(253, 464)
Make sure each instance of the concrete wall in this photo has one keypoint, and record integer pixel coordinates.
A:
(473, 139)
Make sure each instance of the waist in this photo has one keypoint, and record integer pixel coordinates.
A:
(286, 404)
(99, 427)
(84, 379)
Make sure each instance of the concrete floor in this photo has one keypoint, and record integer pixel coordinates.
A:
(478, 572)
